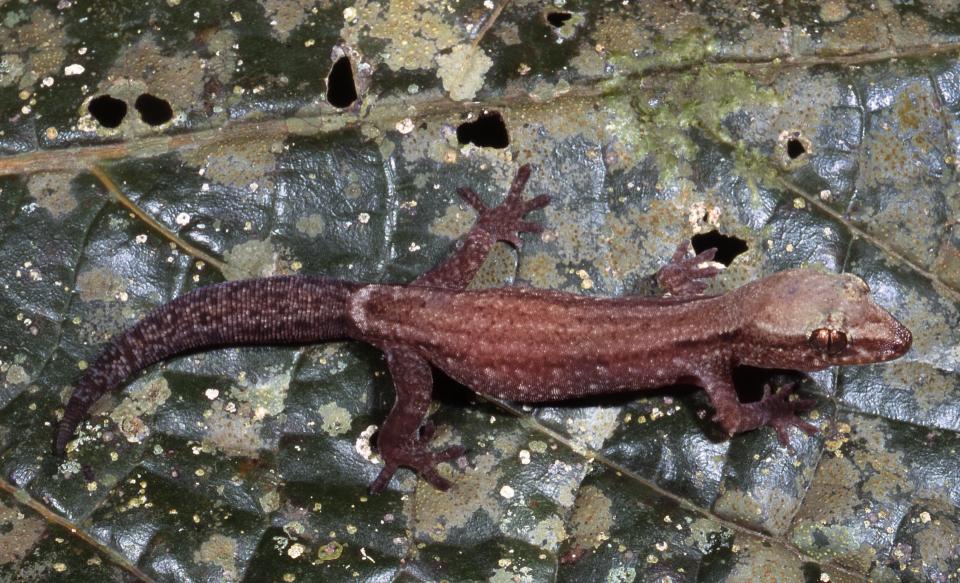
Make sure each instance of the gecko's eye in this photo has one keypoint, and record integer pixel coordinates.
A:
(828, 340)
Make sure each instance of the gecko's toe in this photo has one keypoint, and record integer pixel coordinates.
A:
(450, 453)
(704, 256)
(529, 227)
(537, 202)
(383, 478)
(436, 480)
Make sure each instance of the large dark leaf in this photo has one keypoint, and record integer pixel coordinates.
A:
(815, 133)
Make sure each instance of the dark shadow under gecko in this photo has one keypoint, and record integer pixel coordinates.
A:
(525, 344)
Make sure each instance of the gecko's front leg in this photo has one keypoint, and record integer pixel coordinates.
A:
(401, 442)
(503, 222)
(683, 276)
(774, 409)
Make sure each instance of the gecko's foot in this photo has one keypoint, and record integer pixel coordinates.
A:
(505, 221)
(779, 412)
(782, 413)
(776, 410)
(684, 275)
(418, 458)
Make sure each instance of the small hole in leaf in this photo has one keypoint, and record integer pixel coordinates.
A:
(488, 131)
(727, 247)
(341, 88)
(795, 148)
(108, 111)
(153, 110)
(556, 19)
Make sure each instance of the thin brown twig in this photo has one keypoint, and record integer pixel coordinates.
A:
(489, 23)
(128, 204)
(52, 517)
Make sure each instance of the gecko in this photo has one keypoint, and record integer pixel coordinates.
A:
(525, 344)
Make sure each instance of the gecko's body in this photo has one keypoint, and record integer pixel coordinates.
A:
(525, 344)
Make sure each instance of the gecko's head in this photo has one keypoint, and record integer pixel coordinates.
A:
(807, 320)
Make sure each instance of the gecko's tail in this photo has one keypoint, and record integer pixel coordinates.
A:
(275, 310)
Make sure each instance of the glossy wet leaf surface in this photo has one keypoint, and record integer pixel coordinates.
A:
(819, 134)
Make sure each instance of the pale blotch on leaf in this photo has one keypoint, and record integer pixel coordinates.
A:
(51, 190)
(592, 518)
(19, 532)
(462, 71)
(336, 419)
(548, 533)
(255, 258)
(270, 501)
(759, 562)
(99, 283)
(311, 225)
(221, 551)
(143, 400)
(286, 15)
(592, 426)
(437, 513)
(11, 68)
(45, 35)
(17, 375)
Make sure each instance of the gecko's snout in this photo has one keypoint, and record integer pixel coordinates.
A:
(901, 341)
(885, 339)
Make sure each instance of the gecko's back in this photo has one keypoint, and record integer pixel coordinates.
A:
(536, 345)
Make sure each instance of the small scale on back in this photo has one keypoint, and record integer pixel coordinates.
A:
(526, 344)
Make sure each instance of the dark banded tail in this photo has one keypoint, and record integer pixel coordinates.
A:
(274, 310)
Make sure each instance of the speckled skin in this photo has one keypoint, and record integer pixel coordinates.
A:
(526, 344)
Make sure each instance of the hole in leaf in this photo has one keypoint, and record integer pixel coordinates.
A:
(341, 88)
(153, 110)
(488, 131)
(727, 247)
(749, 381)
(556, 19)
(795, 148)
(108, 111)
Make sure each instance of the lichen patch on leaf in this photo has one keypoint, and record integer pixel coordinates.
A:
(19, 532)
(592, 518)
(244, 165)
(415, 31)
(284, 16)
(255, 258)
(143, 400)
(221, 551)
(100, 284)
(51, 190)
(45, 34)
(462, 71)
(436, 513)
(336, 419)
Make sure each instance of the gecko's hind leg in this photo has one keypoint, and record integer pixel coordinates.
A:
(405, 435)
(684, 275)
